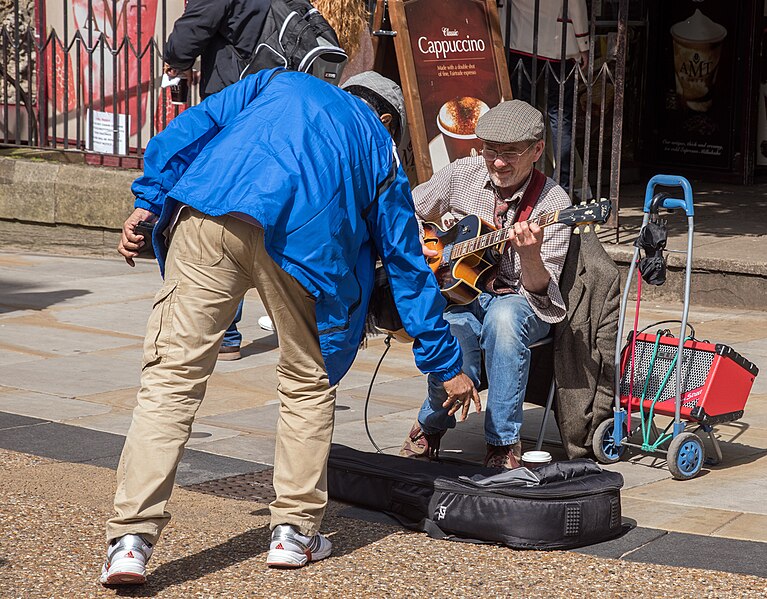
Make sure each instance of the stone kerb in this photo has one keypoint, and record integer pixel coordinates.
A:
(53, 193)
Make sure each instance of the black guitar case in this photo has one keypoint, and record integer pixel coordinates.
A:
(557, 506)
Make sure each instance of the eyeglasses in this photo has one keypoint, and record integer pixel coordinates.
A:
(507, 157)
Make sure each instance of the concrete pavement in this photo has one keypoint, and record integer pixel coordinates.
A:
(71, 331)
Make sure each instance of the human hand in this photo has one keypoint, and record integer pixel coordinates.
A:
(172, 72)
(460, 391)
(130, 243)
(583, 60)
(428, 252)
(526, 238)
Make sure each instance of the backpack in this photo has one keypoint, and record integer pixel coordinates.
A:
(296, 36)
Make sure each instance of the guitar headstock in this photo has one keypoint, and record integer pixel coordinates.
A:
(592, 213)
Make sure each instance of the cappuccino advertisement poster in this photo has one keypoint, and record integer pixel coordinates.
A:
(454, 74)
(691, 88)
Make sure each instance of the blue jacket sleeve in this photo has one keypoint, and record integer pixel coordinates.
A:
(170, 152)
(419, 301)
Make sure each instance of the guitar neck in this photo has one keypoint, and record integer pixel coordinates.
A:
(498, 236)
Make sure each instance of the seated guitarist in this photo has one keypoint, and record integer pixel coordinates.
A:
(518, 298)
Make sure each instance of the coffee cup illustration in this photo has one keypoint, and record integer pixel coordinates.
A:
(457, 120)
(697, 48)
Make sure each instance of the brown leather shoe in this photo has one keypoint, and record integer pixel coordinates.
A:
(420, 445)
(503, 456)
(228, 353)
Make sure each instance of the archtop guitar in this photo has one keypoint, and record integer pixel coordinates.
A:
(461, 260)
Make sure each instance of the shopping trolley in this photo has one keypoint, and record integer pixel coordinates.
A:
(698, 383)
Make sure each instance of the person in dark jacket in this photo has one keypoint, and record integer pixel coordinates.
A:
(288, 184)
(222, 33)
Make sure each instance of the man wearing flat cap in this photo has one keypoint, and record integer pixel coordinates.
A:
(519, 296)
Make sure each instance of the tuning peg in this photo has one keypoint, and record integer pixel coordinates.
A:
(597, 227)
(586, 229)
(576, 231)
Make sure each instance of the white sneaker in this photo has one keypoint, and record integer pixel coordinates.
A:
(126, 561)
(290, 549)
(266, 323)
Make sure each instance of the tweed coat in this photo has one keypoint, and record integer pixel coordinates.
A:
(584, 346)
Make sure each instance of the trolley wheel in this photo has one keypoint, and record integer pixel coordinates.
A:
(685, 456)
(603, 444)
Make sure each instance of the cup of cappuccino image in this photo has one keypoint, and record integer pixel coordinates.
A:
(457, 120)
(531, 459)
(697, 45)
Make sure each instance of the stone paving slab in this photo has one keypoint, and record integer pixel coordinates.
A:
(710, 553)
(9, 421)
(82, 445)
(47, 407)
(61, 442)
(95, 373)
(14, 356)
(747, 527)
(128, 317)
(739, 488)
(634, 538)
(240, 410)
(248, 447)
(56, 341)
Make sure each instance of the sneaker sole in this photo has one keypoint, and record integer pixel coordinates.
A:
(125, 578)
(279, 558)
(229, 356)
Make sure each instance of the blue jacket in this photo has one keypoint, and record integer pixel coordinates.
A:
(316, 168)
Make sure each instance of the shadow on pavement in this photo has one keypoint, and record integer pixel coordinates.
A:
(17, 296)
(234, 551)
(260, 346)
(721, 210)
(244, 547)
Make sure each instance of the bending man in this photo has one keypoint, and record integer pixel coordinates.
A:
(288, 184)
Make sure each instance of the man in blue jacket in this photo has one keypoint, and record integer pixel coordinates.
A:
(288, 184)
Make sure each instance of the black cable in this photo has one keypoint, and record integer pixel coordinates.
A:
(692, 329)
(387, 342)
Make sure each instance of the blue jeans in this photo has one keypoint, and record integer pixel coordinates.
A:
(500, 327)
(233, 337)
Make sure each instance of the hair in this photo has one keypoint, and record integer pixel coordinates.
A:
(381, 105)
(348, 18)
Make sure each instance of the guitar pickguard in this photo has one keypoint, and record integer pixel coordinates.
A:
(457, 278)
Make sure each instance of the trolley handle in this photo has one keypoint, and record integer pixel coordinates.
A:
(653, 202)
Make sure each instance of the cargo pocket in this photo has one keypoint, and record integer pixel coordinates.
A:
(160, 326)
(199, 239)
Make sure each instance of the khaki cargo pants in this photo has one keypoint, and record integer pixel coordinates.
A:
(212, 262)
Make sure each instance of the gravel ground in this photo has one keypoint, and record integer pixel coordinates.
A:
(51, 545)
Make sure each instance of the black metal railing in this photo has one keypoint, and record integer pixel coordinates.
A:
(584, 106)
(70, 66)
(72, 69)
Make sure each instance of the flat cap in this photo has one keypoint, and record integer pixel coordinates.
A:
(510, 122)
(383, 87)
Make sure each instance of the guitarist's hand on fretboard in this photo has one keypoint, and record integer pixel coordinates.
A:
(527, 239)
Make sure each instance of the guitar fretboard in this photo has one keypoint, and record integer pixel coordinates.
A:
(497, 237)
